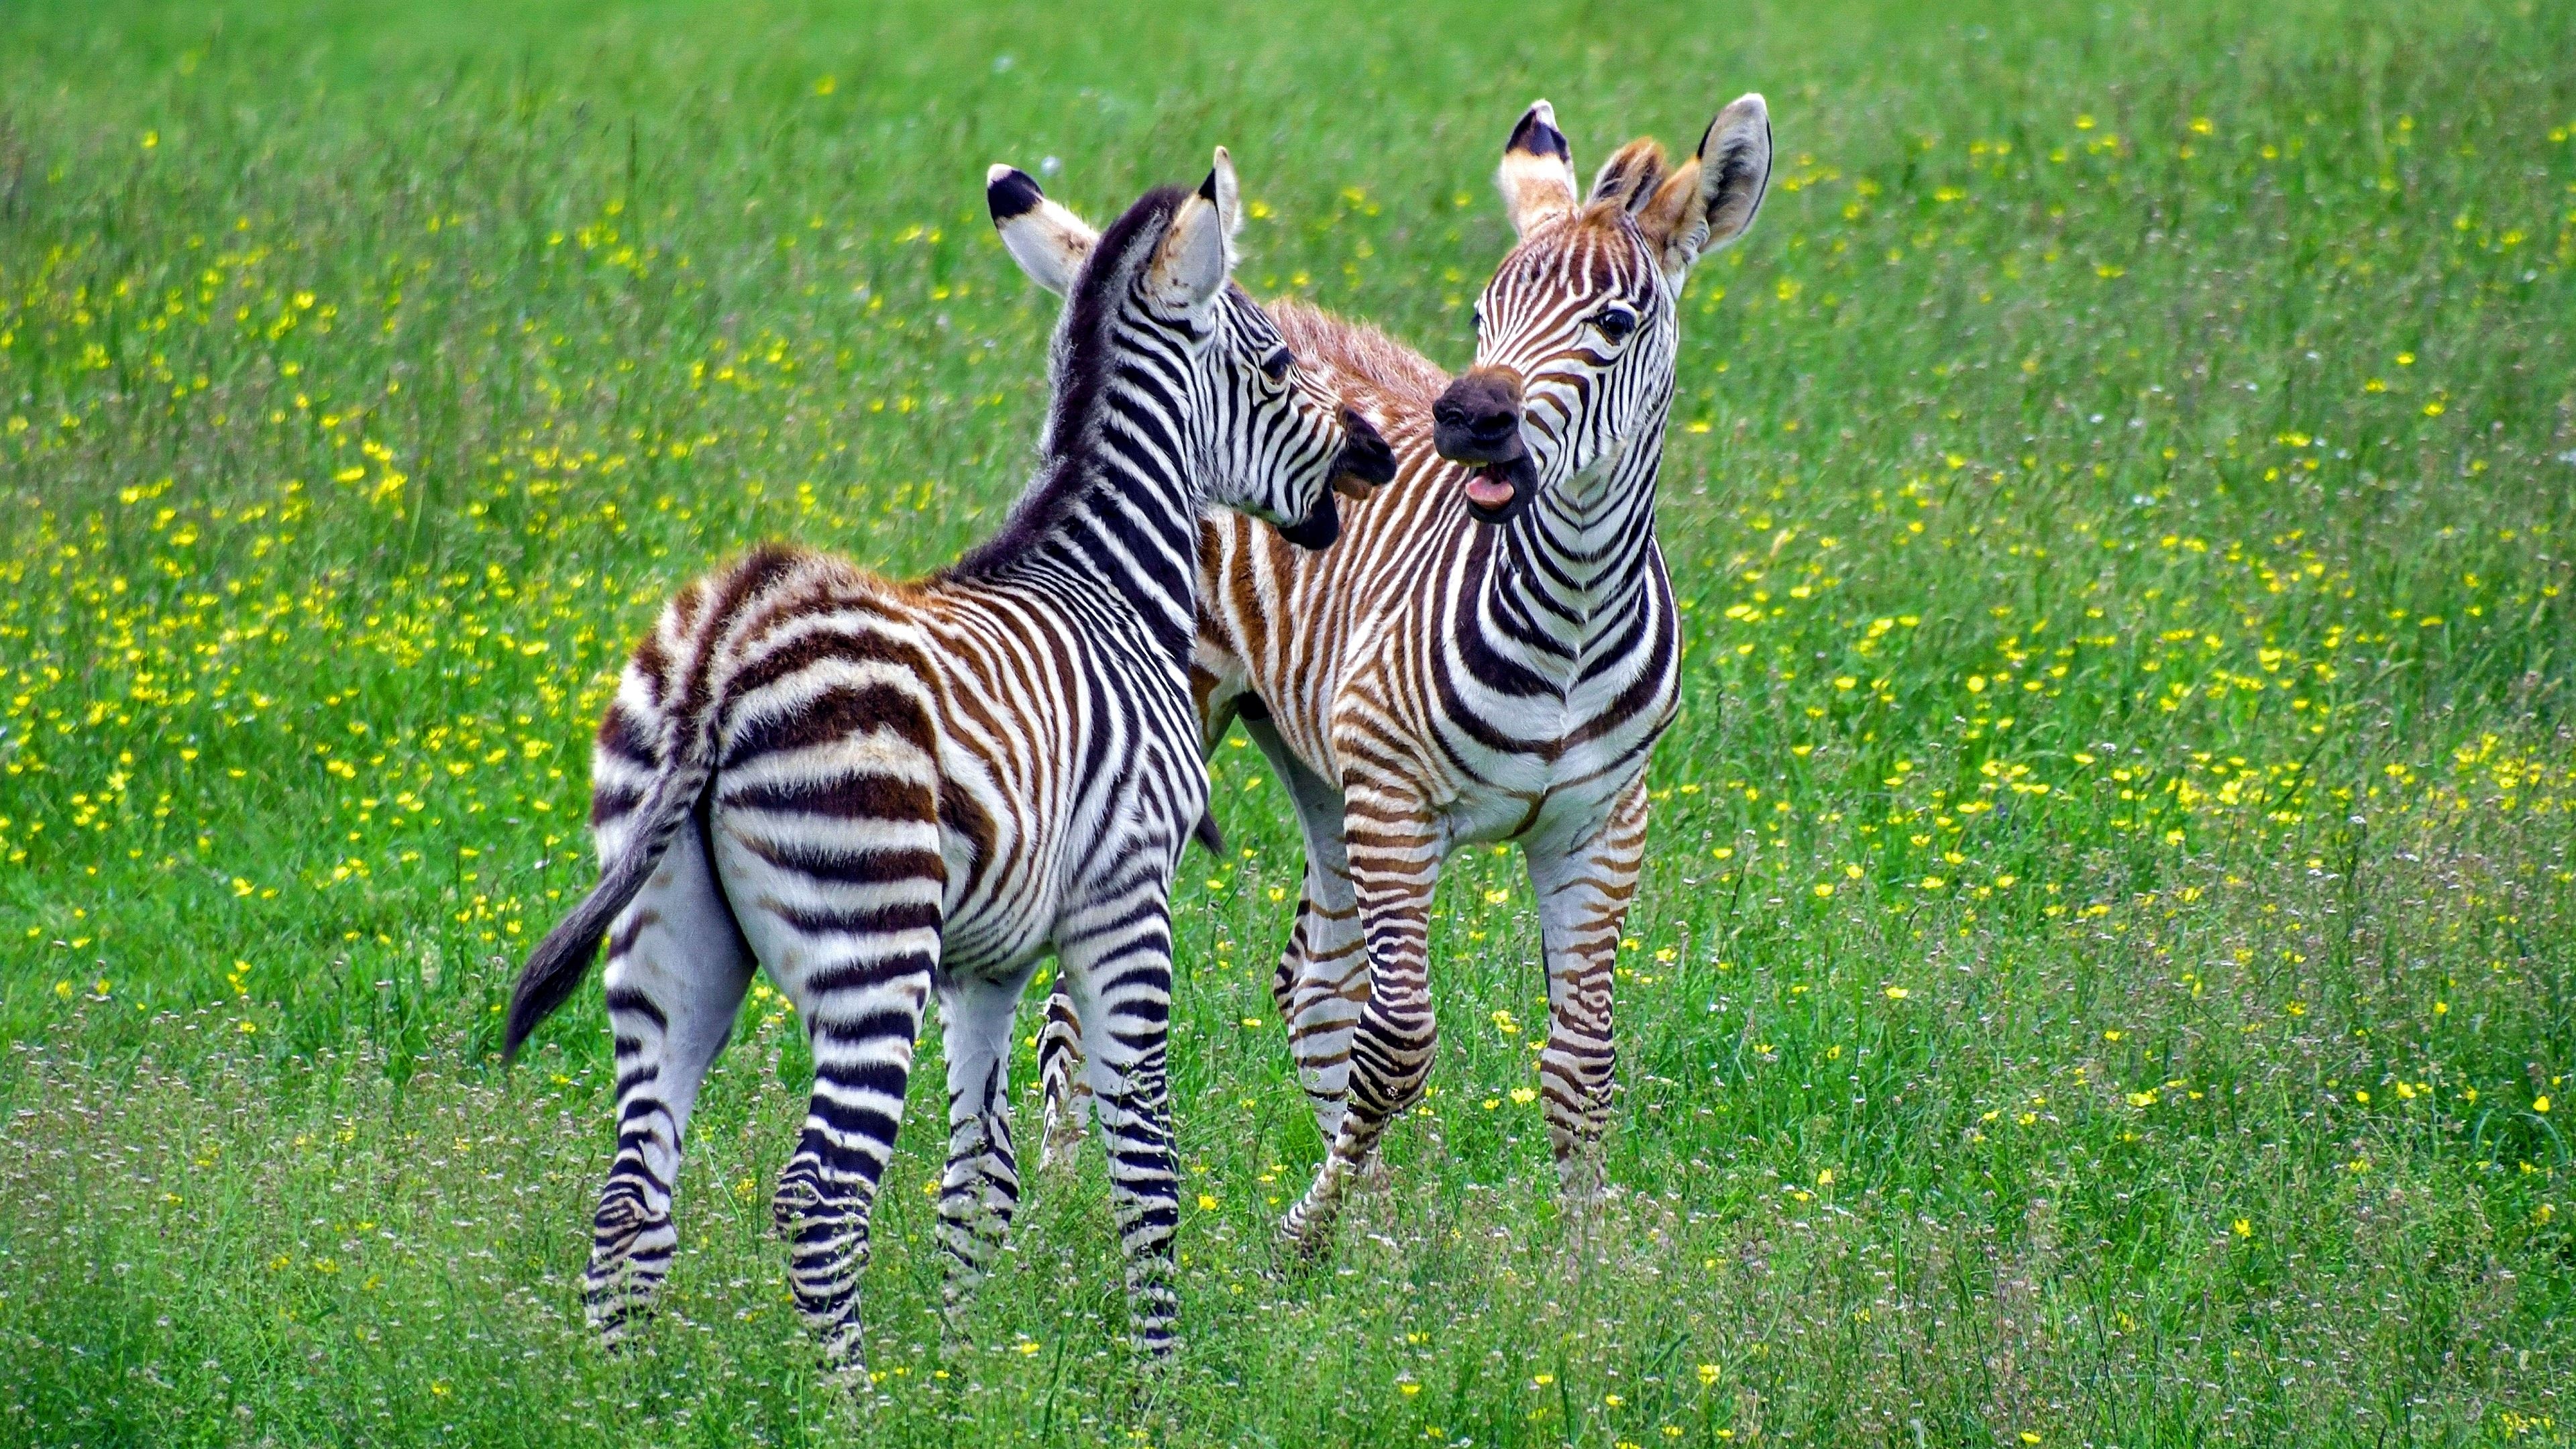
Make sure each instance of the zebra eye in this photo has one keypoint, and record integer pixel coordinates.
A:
(1615, 323)
(1276, 365)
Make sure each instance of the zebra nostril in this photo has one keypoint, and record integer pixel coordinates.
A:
(1478, 419)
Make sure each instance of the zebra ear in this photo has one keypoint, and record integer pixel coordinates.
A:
(1190, 266)
(1711, 199)
(1050, 243)
(1226, 194)
(1537, 175)
(1628, 179)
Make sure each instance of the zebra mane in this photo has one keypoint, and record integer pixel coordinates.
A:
(1373, 371)
(1079, 365)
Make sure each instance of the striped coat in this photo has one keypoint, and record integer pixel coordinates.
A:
(879, 790)
(1491, 652)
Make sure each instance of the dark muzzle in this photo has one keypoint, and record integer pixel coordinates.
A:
(1478, 422)
(1365, 462)
(1321, 525)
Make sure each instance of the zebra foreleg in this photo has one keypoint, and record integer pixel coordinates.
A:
(1064, 1089)
(1584, 888)
(1123, 983)
(1395, 867)
(980, 1191)
(677, 969)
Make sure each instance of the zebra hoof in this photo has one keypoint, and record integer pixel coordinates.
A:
(1058, 1151)
(1372, 1174)
(852, 1382)
(1306, 1234)
(1291, 1262)
(1585, 1199)
(616, 1325)
(845, 1363)
(1582, 1180)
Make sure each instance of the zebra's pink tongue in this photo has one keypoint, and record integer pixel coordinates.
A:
(1487, 491)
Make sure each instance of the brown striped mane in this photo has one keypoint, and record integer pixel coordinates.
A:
(1373, 371)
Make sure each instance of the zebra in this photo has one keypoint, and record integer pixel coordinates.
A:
(1490, 654)
(875, 790)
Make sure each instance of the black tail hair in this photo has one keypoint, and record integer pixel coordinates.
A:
(685, 761)
(671, 800)
(557, 966)
(560, 963)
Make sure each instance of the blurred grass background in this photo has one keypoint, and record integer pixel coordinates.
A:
(2104, 971)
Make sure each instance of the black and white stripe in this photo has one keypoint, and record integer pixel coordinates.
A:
(876, 790)
(1491, 653)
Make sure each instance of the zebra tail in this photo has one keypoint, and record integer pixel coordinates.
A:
(680, 719)
(556, 967)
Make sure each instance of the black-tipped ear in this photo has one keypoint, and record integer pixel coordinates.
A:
(1709, 200)
(1537, 175)
(1537, 135)
(1224, 190)
(1192, 262)
(1010, 192)
(1050, 243)
(1735, 168)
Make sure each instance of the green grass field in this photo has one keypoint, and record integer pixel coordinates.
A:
(2108, 958)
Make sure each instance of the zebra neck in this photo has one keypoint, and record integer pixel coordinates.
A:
(1130, 535)
(1109, 524)
(1574, 563)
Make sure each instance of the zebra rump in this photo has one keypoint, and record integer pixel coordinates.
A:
(677, 788)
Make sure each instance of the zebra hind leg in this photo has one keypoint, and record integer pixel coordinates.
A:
(1322, 983)
(1321, 987)
(677, 969)
(862, 1004)
(1064, 1088)
(979, 1193)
